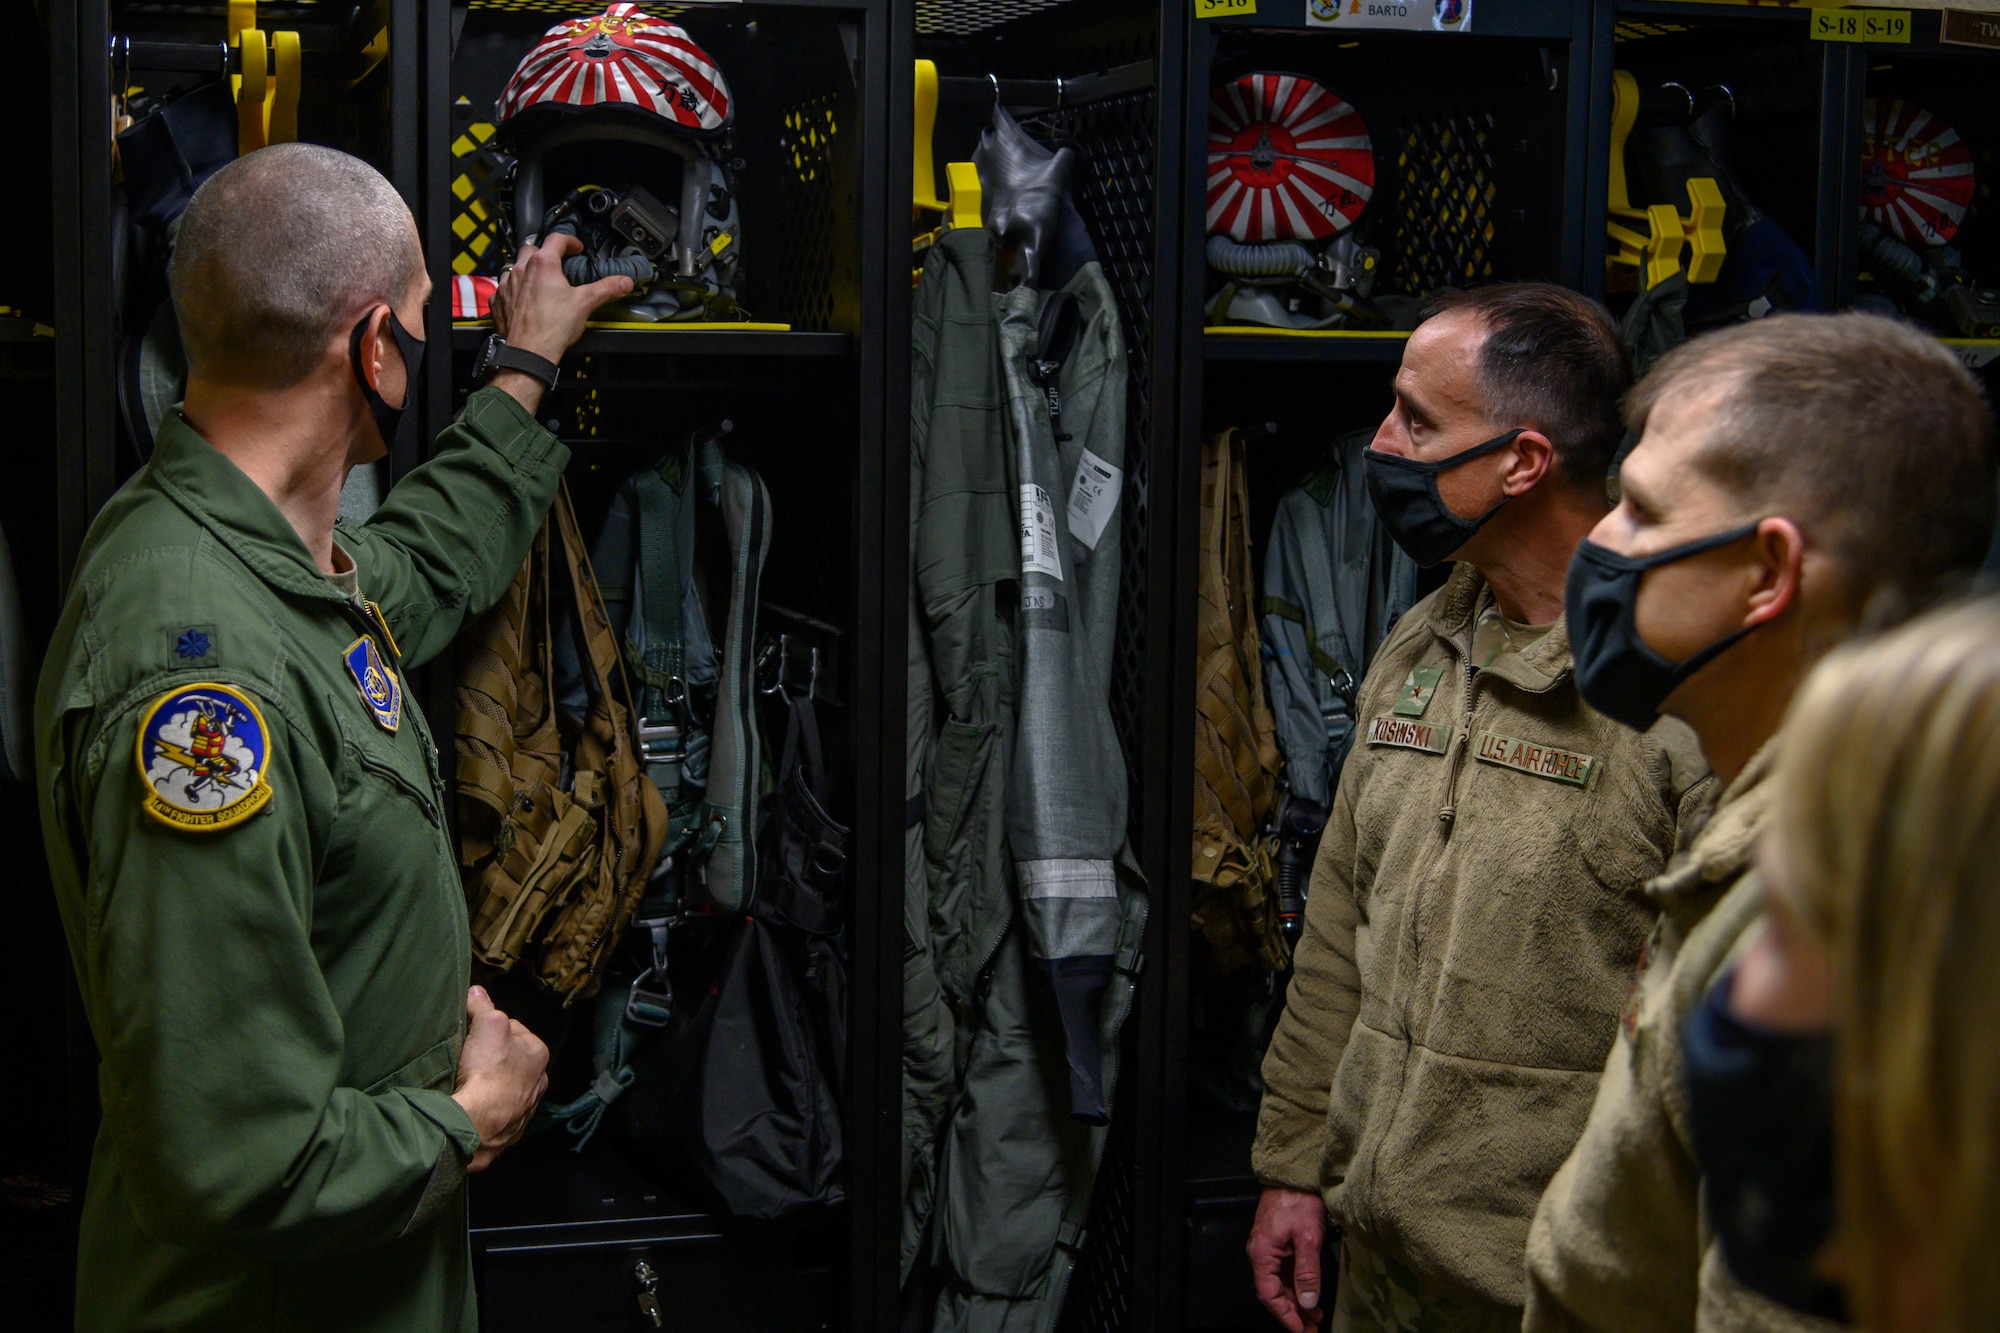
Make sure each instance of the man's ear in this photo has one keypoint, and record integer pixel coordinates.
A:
(374, 333)
(1531, 456)
(1780, 554)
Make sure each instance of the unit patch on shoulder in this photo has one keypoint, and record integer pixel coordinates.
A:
(1544, 761)
(202, 751)
(380, 689)
(1408, 735)
(1418, 691)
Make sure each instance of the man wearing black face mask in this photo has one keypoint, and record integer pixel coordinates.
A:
(1474, 913)
(243, 807)
(1796, 477)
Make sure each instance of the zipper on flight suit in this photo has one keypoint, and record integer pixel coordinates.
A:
(1460, 742)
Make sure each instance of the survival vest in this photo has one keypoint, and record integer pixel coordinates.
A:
(1236, 754)
(555, 841)
(683, 551)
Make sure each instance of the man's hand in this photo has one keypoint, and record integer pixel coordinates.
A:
(536, 310)
(1284, 1256)
(500, 1077)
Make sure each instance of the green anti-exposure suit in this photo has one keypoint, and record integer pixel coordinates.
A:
(280, 1003)
(1015, 846)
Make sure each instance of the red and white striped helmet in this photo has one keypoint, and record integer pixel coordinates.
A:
(1916, 173)
(1287, 160)
(621, 58)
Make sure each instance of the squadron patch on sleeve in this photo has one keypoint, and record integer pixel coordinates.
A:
(380, 689)
(202, 751)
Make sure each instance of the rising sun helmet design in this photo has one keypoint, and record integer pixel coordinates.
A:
(1290, 169)
(619, 125)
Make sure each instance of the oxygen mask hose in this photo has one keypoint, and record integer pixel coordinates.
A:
(582, 270)
(1270, 261)
(1298, 844)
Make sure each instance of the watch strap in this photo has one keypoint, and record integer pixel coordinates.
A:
(499, 356)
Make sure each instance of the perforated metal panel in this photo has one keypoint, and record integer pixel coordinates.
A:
(960, 18)
(479, 227)
(1445, 202)
(807, 184)
(1634, 30)
(1117, 136)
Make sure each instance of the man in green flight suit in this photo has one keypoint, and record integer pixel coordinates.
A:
(244, 816)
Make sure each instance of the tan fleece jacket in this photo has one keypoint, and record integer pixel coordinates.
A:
(1618, 1242)
(1474, 918)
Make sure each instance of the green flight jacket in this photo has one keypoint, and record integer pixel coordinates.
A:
(279, 1003)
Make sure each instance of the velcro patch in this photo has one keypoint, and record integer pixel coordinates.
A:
(1409, 735)
(1543, 761)
(202, 750)
(1418, 691)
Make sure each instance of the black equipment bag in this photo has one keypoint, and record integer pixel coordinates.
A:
(747, 1096)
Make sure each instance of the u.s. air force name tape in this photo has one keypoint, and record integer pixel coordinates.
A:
(1544, 761)
(202, 751)
(1409, 735)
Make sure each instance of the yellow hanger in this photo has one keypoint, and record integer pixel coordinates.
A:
(963, 180)
(282, 113)
(1656, 251)
(923, 191)
(267, 99)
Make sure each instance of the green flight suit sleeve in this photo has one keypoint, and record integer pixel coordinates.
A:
(451, 535)
(1320, 1008)
(221, 1046)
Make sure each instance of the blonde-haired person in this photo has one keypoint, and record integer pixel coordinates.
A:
(1884, 923)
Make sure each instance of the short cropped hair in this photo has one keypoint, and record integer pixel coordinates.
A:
(1553, 361)
(1866, 432)
(277, 253)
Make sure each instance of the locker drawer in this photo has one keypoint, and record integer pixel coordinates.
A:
(731, 1282)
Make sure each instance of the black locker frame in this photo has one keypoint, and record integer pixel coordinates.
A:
(1133, 1272)
(1026, 45)
(878, 364)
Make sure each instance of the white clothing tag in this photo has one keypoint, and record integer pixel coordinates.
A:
(1038, 533)
(1093, 498)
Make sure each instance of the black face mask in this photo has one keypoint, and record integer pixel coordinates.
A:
(397, 424)
(1616, 672)
(1406, 497)
(1760, 1106)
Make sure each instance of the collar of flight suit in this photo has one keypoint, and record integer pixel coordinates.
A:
(1720, 853)
(1536, 669)
(217, 493)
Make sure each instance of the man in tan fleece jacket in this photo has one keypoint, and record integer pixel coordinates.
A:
(1474, 914)
(1854, 456)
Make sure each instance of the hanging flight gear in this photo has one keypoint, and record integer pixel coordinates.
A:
(164, 156)
(748, 1094)
(687, 633)
(1672, 144)
(1290, 168)
(619, 126)
(555, 843)
(1334, 585)
(689, 651)
(1236, 756)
